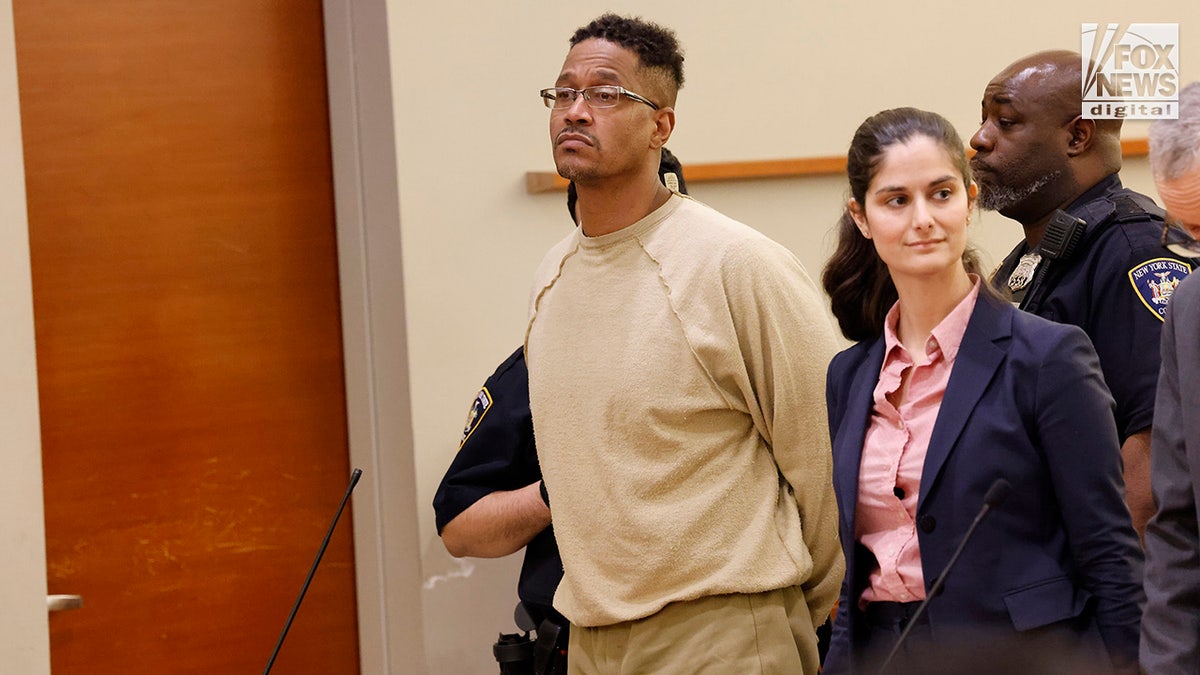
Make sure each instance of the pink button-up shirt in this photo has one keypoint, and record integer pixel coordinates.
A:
(894, 453)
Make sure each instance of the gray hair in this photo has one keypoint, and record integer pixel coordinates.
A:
(1175, 144)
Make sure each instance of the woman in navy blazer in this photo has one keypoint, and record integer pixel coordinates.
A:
(1054, 571)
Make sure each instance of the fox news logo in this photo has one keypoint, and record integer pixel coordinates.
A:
(1130, 71)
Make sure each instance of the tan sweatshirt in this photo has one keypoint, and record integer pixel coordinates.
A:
(676, 377)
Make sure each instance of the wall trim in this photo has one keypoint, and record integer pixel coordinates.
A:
(374, 336)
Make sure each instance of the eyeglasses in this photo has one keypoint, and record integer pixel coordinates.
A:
(600, 96)
(1178, 241)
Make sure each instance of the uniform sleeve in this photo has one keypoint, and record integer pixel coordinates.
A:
(1125, 324)
(1076, 429)
(1171, 623)
(786, 342)
(497, 451)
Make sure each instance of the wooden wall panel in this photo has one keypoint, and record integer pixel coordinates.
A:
(187, 322)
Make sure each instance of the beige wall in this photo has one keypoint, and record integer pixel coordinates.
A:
(24, 646)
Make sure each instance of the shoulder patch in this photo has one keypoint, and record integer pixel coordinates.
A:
(1155, 280)
(479, 408)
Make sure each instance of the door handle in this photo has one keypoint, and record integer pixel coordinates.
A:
(57, 603)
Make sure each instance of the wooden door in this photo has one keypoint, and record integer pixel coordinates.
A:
(188, 337)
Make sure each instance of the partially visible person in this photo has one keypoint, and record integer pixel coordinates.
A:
(1171, 624)
(485, 505)
(1092, 254)
(948, 390)
(491, 503)
(675, 360)
(1175, 163)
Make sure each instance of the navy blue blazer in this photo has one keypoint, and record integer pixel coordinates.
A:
(1026, 401)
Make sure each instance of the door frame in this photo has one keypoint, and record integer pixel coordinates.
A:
(374, 335)
(24, 625)
(374, 342)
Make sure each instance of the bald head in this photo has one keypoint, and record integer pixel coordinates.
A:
(1055, 78)
(1052, 77)
(1035, 152)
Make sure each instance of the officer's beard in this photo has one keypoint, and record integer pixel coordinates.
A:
(1004, 197)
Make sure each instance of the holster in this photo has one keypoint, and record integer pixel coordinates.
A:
(550, 650)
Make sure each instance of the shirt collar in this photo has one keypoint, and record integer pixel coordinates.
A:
(946, 336)
(633, 230)
(1110, 183)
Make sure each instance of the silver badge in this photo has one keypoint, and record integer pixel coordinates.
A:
(1023, 274)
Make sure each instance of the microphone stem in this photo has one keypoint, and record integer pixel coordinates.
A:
(934, 589)
(313, 570)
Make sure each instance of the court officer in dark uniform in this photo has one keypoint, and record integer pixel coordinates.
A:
(1092, 253)
(492, 501)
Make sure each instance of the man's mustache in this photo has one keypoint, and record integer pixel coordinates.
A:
(574, 131)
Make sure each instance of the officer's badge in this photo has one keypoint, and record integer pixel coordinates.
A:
(1155, 280)
(479, 408)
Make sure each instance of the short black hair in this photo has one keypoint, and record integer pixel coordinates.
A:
(655, 46)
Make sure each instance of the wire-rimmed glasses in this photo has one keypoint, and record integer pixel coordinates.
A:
(599, 96)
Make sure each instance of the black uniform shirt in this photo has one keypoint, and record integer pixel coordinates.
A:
(497, 453)
(1116, 288)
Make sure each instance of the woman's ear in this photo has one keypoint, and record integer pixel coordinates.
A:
(972, 194)
(860, 217)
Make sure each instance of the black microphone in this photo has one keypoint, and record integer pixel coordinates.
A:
(313, 570)
(995, 496)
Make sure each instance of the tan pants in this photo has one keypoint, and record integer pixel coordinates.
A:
(769, 632)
